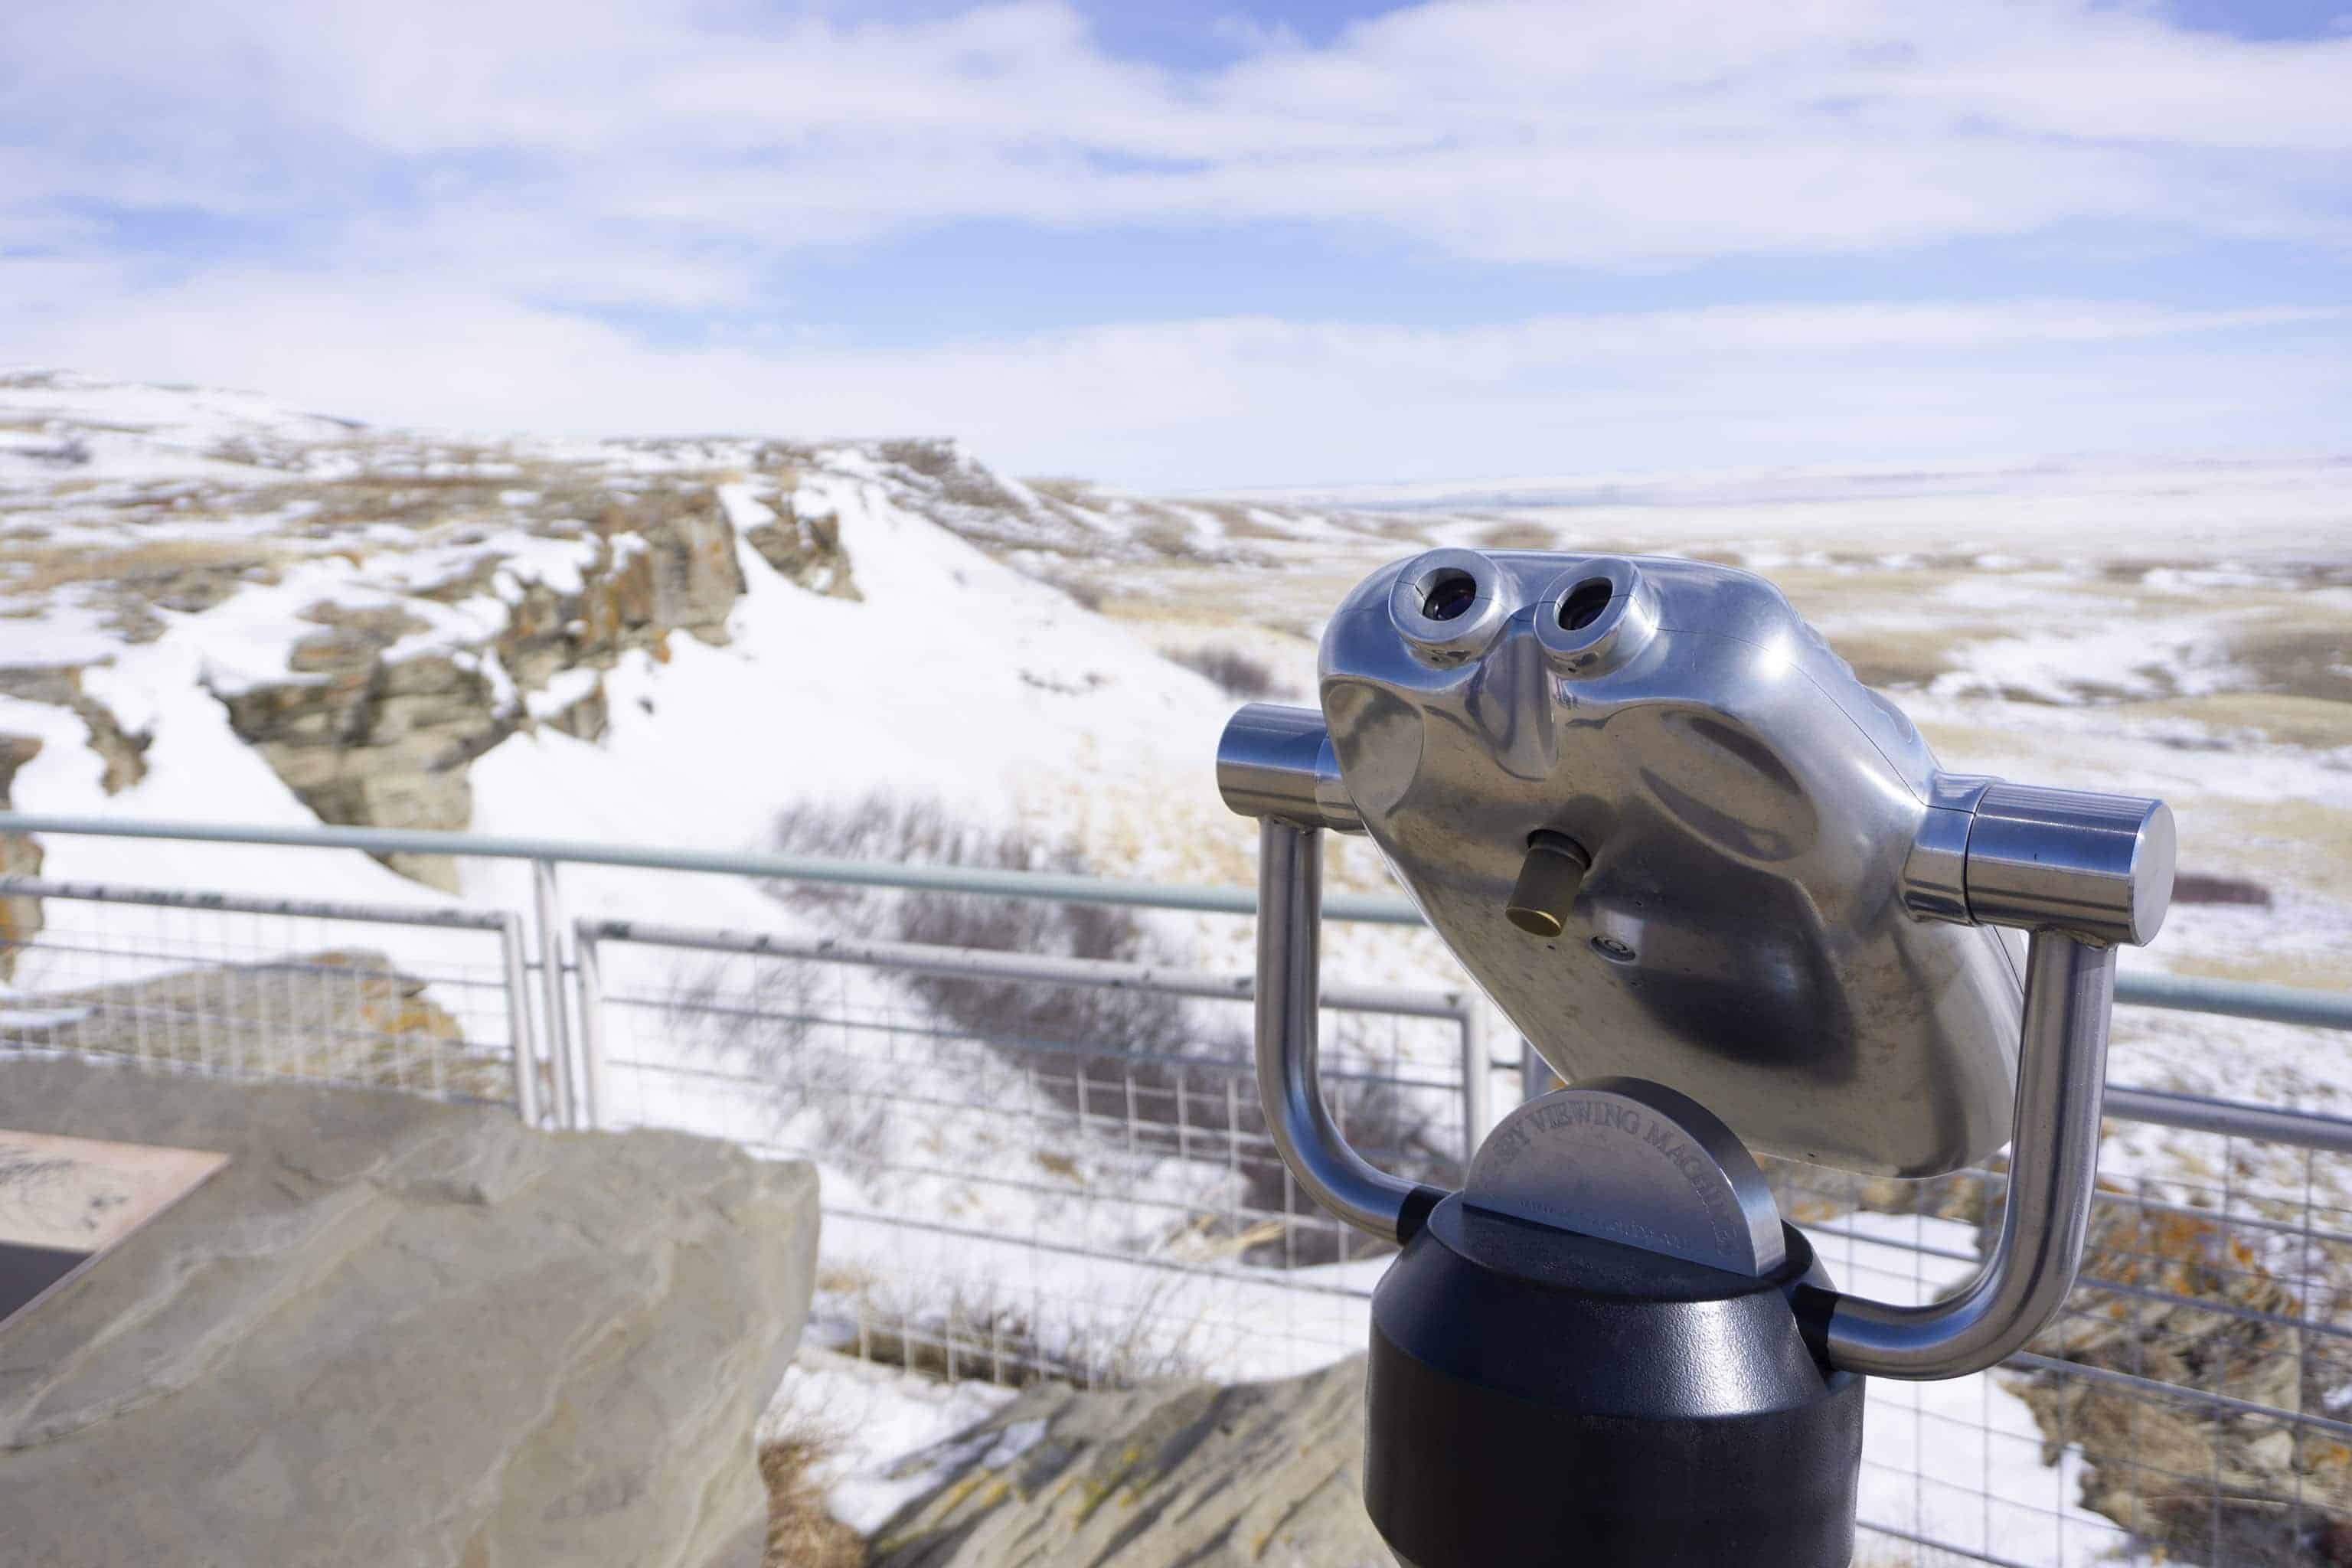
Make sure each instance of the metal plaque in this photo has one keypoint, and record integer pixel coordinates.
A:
(64, 1201)
(1636, 1163)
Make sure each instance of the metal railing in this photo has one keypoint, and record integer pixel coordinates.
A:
(260, 1007)
(1099, 1116)
(1038, 1165)
(1458, 1007)
(2189, 993)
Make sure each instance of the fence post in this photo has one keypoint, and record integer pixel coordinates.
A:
(519, 1034)
(549, 907)
(591, 992)
(1478, 1074)
(1536, 1075)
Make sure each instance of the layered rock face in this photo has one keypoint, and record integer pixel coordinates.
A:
(398, 1332)
(1261, 1474)
(20, 856)
(2197, 1307)
(349, 1015)
(369, 733)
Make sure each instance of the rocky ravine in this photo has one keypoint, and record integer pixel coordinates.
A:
(377, 609)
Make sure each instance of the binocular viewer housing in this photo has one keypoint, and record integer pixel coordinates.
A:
(1726, 891)
(1678, 840)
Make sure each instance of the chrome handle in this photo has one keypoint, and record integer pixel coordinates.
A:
(1289, 962)
(2080, 872)
(2061, 1074)
(1275, 764)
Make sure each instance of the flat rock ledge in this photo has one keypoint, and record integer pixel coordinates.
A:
(1269, 1474)
(393, 1331)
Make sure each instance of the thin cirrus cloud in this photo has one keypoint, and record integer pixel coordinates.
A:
(352, 204)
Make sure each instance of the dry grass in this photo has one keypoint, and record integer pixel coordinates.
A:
(1896, 658)
(2311, 722)
(1519, 536)
(986, 1333)
(802, 1532)
(34, 569)
(1235, 673)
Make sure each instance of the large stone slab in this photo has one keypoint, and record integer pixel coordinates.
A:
(1269, 1474)
(393, 1331)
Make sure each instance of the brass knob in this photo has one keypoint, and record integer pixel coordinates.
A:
(1555, 869)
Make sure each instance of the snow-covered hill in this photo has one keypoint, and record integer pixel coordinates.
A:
(211, 606)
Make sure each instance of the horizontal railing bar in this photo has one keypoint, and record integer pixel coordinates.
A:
(2192, 993)
(2232, 1118)
(1047, 885)
(2300, 1129)
(2237, 999)
(249, 967)
(443, 1093)
(2230, 1220)
(1233, 1068)
(1114, 1057)
(239, 904)
(1197, 1269)
(1943, 1547)
(2028, 1361)
(1166, 1137)
(173, 1021)
(978, 963)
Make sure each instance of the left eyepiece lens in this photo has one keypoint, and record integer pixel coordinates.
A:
(1449, 596)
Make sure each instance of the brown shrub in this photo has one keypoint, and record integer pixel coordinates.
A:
(1237, 674)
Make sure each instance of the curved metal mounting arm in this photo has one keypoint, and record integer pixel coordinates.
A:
(1289, 927)
(2061, 1074)
(1275, 764)
(2080, 872)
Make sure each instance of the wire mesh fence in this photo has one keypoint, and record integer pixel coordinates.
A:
(421, 1000)
(1057, 1168)
(2188, 1405)
(1054, 1168)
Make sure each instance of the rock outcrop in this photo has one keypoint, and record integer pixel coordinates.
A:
(1268, 1474)
(20, 856)
(806, 551)
(370, 736)
(398, 1332)
(123, 751)
(2184, 1299)
(367, 740)
(343, 1014)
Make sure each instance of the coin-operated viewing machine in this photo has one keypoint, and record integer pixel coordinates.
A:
(1723, 889)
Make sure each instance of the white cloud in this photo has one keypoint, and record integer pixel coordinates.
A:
(442, 187)
(1249, 400)
(1587, 131)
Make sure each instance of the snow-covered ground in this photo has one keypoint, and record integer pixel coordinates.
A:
(2173, 630)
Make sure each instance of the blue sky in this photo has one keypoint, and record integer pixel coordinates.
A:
(1187, 247)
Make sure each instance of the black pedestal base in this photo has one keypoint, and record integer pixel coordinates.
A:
(1541, 1398)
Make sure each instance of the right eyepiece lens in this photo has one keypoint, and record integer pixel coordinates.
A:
(1450, 596)
(1584, 602)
